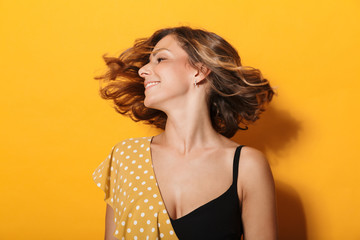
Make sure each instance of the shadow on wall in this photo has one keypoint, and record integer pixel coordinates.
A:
(275, 131)
(291, 215)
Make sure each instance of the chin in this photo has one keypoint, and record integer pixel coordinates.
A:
(148, 103)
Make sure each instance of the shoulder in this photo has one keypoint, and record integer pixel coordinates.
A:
(254, 170)
(132, 143)
(131, 147)
(252, 157)
(134, 140)
(258, 196)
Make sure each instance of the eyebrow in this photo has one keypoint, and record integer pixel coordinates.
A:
(158, 50)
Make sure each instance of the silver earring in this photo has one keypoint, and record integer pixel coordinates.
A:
(195, 82)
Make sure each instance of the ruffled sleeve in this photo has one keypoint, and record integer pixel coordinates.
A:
(127, 179)
(105, 177)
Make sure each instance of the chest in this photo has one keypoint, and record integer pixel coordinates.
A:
(189, 182)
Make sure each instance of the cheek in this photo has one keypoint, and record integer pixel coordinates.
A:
(174, 75)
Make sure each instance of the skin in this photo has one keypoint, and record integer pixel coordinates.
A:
(200, 157)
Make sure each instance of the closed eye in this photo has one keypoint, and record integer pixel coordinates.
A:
(160, 59)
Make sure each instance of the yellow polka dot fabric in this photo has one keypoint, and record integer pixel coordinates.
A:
(128, 180)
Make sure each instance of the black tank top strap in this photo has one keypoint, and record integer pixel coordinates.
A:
(236, 164)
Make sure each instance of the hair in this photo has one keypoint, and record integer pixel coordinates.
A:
(237, 95)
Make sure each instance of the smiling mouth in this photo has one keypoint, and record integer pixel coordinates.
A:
(150, 84)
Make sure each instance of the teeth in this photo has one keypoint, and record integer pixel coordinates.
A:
(151, 83)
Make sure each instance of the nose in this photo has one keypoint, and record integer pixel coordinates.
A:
(144, 71)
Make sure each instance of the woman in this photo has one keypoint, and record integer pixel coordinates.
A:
(191, 181)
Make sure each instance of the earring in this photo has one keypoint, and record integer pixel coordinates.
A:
(195, 82)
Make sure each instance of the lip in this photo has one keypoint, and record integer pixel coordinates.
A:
(146, 82)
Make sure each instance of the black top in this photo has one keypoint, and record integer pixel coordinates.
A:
(218, 219)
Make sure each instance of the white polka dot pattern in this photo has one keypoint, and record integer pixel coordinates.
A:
(127, 178)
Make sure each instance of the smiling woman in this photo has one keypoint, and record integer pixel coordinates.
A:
(191, 181)
(172, 76)
(245, 90)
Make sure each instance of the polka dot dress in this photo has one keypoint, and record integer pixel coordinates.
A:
(128, 180)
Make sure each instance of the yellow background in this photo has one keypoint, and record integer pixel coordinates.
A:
(55, 128)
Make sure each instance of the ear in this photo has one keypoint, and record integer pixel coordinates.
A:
(202, 72)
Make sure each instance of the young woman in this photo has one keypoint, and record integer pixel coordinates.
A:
(191, 181)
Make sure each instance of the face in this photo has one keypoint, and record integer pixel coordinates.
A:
(169, 74)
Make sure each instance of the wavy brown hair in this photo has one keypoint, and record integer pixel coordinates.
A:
(237, 96)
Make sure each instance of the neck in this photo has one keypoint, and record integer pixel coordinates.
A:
(188, 128)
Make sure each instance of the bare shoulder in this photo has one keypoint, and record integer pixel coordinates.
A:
(254, 170)
(252, 157)
(258, 198)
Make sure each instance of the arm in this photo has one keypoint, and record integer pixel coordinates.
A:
(259, 215)
(109, 223)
